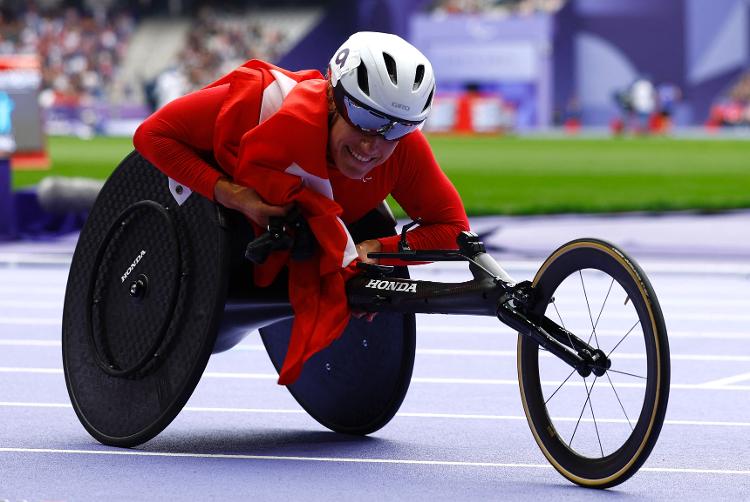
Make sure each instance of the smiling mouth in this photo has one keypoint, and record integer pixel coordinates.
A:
(360, 158)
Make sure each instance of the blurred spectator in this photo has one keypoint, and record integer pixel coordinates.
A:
(668, 95)
(643, 103)
(214, 46)
(645, 108)
(217, 44)
(79, 51)
(170, 85)
(734, 108)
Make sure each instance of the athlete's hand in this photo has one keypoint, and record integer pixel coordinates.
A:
(364, 247)
(247, 201)
(370, 246)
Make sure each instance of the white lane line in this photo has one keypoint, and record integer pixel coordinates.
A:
(687, 267)
(505, 331)
(45, 371)
(404, 414)
(729, 380)
(34, 259)
(424, 328)
(667, 304)
(26, 289)
(32, 304)
(429, 352)
(425, 380)
(670, 316)
(31, 321)
(620, 356)
(691, 316)
(350, 460)
(29, 343)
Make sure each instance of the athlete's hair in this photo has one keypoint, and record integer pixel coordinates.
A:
(332, 111)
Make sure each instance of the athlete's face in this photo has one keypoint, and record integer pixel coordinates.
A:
(355, 153)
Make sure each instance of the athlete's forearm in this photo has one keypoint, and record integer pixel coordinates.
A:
(178, 137)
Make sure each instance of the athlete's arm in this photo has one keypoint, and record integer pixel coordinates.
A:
(178, 137)
(424, 191)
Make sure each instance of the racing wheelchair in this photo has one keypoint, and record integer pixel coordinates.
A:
(159, 282)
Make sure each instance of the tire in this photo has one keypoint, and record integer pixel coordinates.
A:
(597, 431)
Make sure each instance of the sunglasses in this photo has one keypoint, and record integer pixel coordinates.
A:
(370, 121)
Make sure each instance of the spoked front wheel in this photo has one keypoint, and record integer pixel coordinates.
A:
(597, 431)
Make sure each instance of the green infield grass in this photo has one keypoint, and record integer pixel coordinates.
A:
(510, 175)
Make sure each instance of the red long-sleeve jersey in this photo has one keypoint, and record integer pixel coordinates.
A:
(267, 128)
(180, 136)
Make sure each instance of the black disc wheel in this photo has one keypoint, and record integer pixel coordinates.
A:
(597, 431)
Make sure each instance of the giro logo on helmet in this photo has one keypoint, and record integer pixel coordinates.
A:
(392, 286)
(402, 107)
(132, 265)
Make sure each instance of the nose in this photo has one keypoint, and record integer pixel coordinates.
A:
(370, 143)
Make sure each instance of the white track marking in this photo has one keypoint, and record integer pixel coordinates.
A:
(425, 329)
(728, 380)
(45, 371)
(403, 414)
(429, 352)
(680, 266)
(714, 317)
(349, 460)
(30, 343)
(28, 289)
(31, 321)
(34, 259)
(686, 267)
(32, 304)
(415, 380)
(667, 304)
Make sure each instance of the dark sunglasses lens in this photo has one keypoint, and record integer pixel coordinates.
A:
(370, 121)
(399, 130)
(364, 118)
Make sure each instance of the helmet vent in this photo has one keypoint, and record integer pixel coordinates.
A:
(390, 65)
(418, 77)
(429, 100)
(362, 81)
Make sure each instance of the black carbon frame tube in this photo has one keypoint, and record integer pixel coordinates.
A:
(478, 297)
(383, 294)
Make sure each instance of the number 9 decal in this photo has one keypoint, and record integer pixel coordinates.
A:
(341, 57)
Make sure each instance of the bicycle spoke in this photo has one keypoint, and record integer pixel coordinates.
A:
(570, 340)
(588, 307)
(593, 417)
(618, 400)
(624, 337)
(562, 323)
(583, 408)
(626, 373)
(560, 386)
(604, 303)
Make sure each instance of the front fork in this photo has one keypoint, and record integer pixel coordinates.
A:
(515, 310)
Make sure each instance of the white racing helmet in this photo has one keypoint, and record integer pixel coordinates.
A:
(382, 84)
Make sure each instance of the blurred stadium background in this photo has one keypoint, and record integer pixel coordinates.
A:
(543, 106)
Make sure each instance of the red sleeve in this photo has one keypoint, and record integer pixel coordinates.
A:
(177, 137)
(423, 190)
